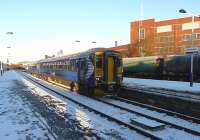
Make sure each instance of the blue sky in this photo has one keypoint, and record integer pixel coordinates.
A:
(45, 26)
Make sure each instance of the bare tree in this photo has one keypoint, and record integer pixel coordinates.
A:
(146, 46)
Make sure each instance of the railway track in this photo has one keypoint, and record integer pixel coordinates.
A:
(182, 103)
(151, 117)
(161, 110)
(133, 126)
(170, 93)
(138, 129)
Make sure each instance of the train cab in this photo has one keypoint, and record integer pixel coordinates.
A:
(108, 70)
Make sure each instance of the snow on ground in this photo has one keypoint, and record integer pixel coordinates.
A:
(102, 126)
(161, 116)
(162, 84)
(30, 112)
(17, 121)
(88, 121)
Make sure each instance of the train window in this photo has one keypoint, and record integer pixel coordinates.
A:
(82, 64)
(119, 62)
(99, 62)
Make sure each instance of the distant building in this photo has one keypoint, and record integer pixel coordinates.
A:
(167, 37)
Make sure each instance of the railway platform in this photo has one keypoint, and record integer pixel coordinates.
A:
(173, 95)
(28, 111)
(150, 123)
(17, 119)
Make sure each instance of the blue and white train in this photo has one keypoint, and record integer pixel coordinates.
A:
(96, 71)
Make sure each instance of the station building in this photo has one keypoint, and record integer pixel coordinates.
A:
(168, 37)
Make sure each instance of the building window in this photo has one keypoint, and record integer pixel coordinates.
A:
(190, 25)
(141, 33)
(162, 29)
(187, 37)
(198, 36)
(164, 39)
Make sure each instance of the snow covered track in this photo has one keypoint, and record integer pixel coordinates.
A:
(115, 103)
(121, 116)
(194, 97)
(138, 129)
(171, 113)
(175, 89)
(152, 92)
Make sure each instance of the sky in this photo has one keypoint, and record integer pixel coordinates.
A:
(43, 27)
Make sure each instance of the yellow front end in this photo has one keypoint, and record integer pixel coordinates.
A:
(108, 71)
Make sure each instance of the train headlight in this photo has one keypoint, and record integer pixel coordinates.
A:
(97, 78)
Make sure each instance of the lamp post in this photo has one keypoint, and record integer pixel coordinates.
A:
(9, 33)
(8, 47)
(183, 11)
(77, 41)
(93, 42)
(1, 65)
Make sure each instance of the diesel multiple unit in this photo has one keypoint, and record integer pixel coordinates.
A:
(96, 71)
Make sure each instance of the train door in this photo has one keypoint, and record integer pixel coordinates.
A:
(110, 71)
(113, 71)
(81, 71)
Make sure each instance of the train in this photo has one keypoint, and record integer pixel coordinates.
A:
(95, 72)
(174, 67)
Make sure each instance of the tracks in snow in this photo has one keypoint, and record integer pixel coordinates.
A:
(152, 127)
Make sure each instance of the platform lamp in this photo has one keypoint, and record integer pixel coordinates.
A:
(7, 33)
(8, 47)
(183, 11)
(94, 42)
(8, 61)
(77, 41)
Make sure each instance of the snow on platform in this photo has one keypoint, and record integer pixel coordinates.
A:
(87, 120)
(162, 84)
(17, 121)
(98, 127)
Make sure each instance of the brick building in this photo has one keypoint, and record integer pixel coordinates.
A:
(167, 37)
(124, 49)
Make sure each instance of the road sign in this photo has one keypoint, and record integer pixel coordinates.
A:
(192, 50)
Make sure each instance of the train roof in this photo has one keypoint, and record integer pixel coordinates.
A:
(73, 56)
